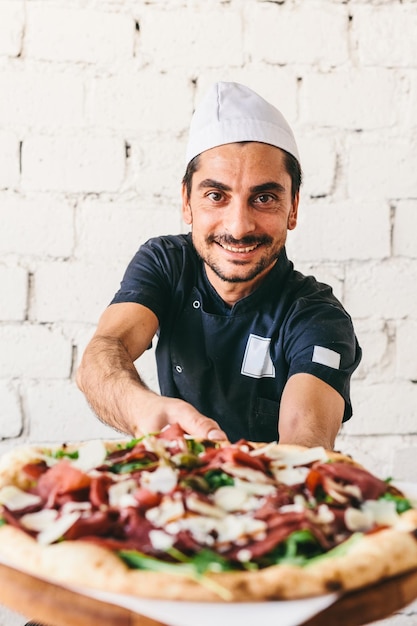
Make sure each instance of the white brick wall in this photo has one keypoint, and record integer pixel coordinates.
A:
(95, 102)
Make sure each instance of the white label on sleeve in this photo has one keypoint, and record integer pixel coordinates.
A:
(325, 356)
(257, 361)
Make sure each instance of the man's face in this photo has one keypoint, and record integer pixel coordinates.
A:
(240, 209)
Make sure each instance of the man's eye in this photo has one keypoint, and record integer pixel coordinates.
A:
(264, 198)
(216, 196)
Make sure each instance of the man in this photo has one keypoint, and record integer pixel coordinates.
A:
(247, 347)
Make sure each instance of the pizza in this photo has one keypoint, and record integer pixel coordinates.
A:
(171, 517)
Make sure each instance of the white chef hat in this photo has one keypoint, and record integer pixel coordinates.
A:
(231, 112)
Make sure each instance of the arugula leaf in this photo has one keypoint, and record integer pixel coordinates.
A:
(138, 560)
(298, 549)
(127, 468)
(195, 447)
(2, 521)
(216, 479)
(194, 567)
(402, 503)
(62, 454)
(340, 550)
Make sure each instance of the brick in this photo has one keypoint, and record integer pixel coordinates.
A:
(48, 226)
(405, 464)
(72, 291)
(58, 411)
(378, 411)
(375, 452)
(406, 341)
(386, 42)
(354, 99)
(84, 35)
(115, 230)
(277, 33)
(318, 162)
(11, 418)
(9, 160)
(386, 289)
(12, 19)
(405, 227)
(31, 351)
(376, 338)
(157, 169)
(141, 101)
(73, 164)
(213, 35)
(40, 96)
(385, 168)
(14, 287)
(366, 234)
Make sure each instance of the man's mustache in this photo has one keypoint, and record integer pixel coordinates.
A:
(248, 240)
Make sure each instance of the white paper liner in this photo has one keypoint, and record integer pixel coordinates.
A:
(284, 613)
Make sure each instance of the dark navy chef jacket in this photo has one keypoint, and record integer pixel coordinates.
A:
(232, 363)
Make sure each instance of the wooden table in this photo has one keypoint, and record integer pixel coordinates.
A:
(51, 604)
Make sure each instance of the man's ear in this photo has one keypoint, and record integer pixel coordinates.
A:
(186, 208)
(292, 217)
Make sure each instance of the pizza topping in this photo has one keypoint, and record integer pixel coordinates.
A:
(169, 497)
(161, 480)
(58, 528)
(16, 500)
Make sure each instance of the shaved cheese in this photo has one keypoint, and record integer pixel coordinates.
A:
(58, 528)
(357, 520)
(120, 494)
(72, 505)
(197, 505)
(290, 475)
(162, 480)
(254, 488)
(90, 455)
(246, 473)
(244, 555)
(293, 458)
(228, 529)
(384, 512)
(41, 520)
(161, 540)
(230, 498)
(16, 499)
(168, 511)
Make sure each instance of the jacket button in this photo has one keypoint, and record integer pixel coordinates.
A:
(196, 304)
(178, 368)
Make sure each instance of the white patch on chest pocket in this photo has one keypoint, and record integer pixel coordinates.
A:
(257, 361)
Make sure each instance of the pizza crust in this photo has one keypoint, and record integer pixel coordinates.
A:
(82, 564)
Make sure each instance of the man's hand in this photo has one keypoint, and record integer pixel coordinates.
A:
(109, 379)
(159, 411)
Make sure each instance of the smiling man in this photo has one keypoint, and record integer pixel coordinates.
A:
(247, 347)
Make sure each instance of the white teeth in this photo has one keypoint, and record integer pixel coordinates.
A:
(232, 249)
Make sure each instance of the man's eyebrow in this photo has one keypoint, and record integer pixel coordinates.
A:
(210, 182)
(270, 186)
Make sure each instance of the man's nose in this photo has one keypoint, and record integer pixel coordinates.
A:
(239, 219)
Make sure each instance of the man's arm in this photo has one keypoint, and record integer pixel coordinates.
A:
(311, 412)
(108, 378)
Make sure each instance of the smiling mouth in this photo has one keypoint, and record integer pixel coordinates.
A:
(242, 250)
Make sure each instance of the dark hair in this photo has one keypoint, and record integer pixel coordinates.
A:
(290, 162)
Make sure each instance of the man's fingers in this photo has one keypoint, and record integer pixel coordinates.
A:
(199, 426)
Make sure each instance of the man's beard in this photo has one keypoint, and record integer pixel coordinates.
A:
(267, 260)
